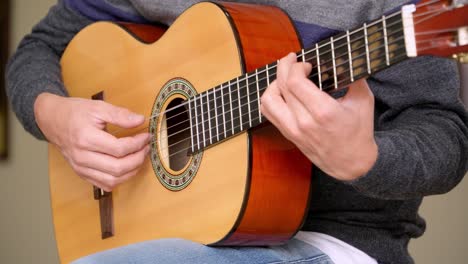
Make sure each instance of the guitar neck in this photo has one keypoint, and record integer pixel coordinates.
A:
(234, 106)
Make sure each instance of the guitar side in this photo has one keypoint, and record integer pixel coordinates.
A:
(235, 195)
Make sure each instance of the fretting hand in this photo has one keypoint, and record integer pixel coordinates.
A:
(76, 127)
(336, 135)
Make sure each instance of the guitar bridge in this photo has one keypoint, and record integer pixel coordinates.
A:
(105, 200)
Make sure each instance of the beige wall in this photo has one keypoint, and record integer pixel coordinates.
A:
(26, 234)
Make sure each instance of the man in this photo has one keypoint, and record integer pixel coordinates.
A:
(391, 140)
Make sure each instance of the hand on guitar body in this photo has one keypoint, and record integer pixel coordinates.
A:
(336, 135)
(76, 127)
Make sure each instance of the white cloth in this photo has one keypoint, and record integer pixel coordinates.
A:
(338, 251)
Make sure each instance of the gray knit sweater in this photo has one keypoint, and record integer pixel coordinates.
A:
(420, 123)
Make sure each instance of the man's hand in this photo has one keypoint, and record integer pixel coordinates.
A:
(336, 135)
(76, 126)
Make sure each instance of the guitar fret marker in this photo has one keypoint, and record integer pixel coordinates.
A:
(318, 65)
(334, 62)
(239, 104)
(366, 40)
(248, 98)
(258, 94)
(191, 126)
(351, 72)
(387, 55)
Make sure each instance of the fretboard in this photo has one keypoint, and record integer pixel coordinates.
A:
(234, 106)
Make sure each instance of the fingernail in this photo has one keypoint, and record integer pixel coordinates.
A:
(136, 117)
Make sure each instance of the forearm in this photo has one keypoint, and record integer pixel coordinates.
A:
(423, 159)
(422, 133)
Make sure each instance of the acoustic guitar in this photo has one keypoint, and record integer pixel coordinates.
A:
(218, 173)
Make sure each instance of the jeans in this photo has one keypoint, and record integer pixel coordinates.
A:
(183, 251)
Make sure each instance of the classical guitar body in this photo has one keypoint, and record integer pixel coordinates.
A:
(249, 189)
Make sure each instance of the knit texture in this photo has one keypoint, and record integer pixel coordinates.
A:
(420, 124)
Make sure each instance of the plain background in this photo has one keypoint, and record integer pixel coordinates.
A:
(26, 232)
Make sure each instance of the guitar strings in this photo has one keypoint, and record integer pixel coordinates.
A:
(311, 50)
(263, 88)
(233, 128)
(315, 74)
(213, 91)
(263, 79)
(252, 75)
(187, 139)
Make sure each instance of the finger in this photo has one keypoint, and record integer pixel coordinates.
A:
(117, 115)
(103, 180)
(111, 165)
(103, 142)
(358, 92)
(282, 72)
(277, 111)
(307, 93)
(298, 77)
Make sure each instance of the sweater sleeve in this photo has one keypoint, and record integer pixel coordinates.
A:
(421, 131)
(35, 66)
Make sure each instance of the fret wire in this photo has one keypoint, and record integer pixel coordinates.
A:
(268, 75)
(258, 94)
(224, 112)
(209, 114)
(334, 63)
(239, 102)
(248, 98)
(318, 66)
(191, 128)
(387, 55)
(196, 121)
(216, 114)
(303, 56)
(203, 120)
(230, 102)
(350, 57)
(367, 49)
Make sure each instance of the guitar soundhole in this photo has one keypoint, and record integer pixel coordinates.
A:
(178, 135)
(172, 164)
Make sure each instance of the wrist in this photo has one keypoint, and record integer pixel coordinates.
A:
(364, 162)
(45, 105)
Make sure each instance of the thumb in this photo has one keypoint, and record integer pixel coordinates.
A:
(119, 116)
(358, 93)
